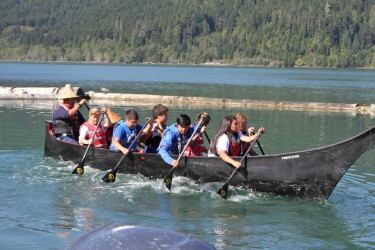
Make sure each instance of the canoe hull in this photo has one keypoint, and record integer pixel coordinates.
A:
(310, 174)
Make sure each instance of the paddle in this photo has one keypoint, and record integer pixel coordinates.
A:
(79, 169)
(208, 138)
(110, 176)
(168, 178)
(259, 146)
(87, 106)
(223, 191)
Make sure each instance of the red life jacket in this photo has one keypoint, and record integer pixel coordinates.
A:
(100, 140)
(235, 146)
(197, 149)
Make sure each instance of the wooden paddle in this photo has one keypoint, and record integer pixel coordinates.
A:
(110, 176)
(223, 191)
(168, 178)
(79, 169)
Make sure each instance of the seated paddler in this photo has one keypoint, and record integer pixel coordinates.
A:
(174, 139)
(197, 148)
(94, 131)
(154, 131)
(125, 132)
(66, 117)
(227, 143)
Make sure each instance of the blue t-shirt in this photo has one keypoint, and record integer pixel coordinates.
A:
(126, 135)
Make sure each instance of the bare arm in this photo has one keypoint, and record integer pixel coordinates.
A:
(117, 145)
(76, 107)
(225, 157)
(147, 132)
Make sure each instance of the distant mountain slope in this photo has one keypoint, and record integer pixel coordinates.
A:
(330, 33)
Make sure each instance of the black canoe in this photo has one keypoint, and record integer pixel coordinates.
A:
(310, 174)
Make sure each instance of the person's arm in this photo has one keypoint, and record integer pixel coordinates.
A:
(225, 157)
(119, 133)
(76, 107)
(83, 131)
(147, 132)
(197, 134)
(222, 147)
(165, 148)
(251, 138)
(109, 122)
(116, 143)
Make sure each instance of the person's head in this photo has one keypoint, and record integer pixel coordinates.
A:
(183, 124)
(68, 96)
(160, 113)
(241, 120)
(131, 118)
(205, 121)
(234, 125)
(225, 125)
(224, 128)
(94, 114)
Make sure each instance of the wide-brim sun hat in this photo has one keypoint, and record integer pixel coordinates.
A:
(68, 92)
(112, 115)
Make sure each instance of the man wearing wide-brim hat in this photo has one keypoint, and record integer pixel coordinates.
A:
(66, 117)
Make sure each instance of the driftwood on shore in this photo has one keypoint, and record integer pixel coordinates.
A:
(51, 93)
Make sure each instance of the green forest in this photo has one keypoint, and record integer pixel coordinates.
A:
(276, 33)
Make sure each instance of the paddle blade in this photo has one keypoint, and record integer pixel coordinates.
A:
(79, 169)
(223, 192)
(168, 180)
(110, 176)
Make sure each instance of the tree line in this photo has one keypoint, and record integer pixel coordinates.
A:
(329, 33)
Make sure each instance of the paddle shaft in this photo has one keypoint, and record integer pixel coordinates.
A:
(188, 142)
(96, 129)
(225, 186)
(130, 146)
(88, 147)
(87, 106)
(251, 146)
(208, 138)
(260, 146)
(170, 174)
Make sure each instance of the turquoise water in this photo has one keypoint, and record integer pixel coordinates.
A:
(279, 84)
(43, 207)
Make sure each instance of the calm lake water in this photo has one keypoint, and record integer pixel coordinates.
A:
(42, 206)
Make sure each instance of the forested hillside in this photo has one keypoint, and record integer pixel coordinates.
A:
(324, 33)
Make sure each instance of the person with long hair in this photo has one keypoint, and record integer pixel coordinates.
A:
(227, 140)
(242, 125)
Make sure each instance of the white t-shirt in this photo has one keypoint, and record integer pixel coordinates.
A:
(222, 143)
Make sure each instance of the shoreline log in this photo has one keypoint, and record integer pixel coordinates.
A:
(52, 93)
